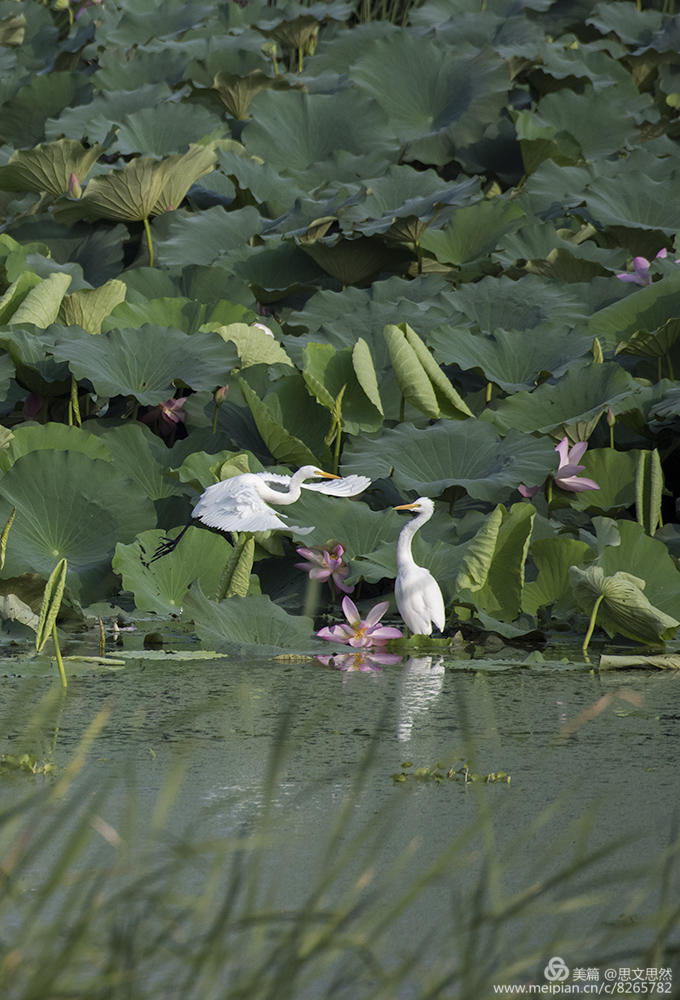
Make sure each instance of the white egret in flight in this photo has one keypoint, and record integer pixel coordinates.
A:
(417, 593)
(242, 503)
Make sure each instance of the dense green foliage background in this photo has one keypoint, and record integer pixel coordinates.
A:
(428, 207)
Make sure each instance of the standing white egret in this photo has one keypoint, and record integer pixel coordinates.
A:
(417, 593)
(241, 503)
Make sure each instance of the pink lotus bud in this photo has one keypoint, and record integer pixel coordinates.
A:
(74, 188)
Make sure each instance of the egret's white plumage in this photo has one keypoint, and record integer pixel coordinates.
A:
(417, 593)
(242, 502)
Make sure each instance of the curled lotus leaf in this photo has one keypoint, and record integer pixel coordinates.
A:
(88, 307)
(126, 195)
(624, 609)
(48, 167)
(236, 92)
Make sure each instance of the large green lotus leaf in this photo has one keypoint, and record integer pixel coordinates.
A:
(536, 244)
(643, 309)
(128, 194)
(274, 272)
(144, 363)
(632, 25)
(404, 192)
(435, 103)
(578, 396)
(23, 118)
(162, 586)
(512, 359)
(88, 307)
(596, 61)
(254, 346)
(51, 437)
(167, 128)
(98, 250)
(501, 593)
(646, 557)
(41, 306)
(147, 20)
(624, 608)
(600, 122)
(30, 350)
(350, 261)
(269, 188)
(474, 231)
(179, 172)
(614, 472)
(556, 189)
(174, 310)
(142, 456)
(204, 237)
(120, 68)
(48, 167)
(341, 318)
(290, 422)
(93, 121)
(500, 303)
(330, 375)
(553, 557)
(73, 507)
(248, 626)
(294, 131)
(636, 201)
(451, 453)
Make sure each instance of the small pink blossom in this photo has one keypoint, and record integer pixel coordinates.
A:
(640, 274)
(361, 633)
(74, 188)
(528, 492)
(33, 404)
(165, 418)
(567, 475)
(325, 564)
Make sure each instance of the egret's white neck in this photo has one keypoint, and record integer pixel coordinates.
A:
(292, 491)
(406, 536)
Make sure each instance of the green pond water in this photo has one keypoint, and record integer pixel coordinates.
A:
(592, 758)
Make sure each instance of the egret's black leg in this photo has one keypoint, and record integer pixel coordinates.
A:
(168, 545)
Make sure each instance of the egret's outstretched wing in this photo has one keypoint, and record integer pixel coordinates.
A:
(235, 505)
(349, 486)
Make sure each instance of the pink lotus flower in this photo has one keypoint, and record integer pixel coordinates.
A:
(366, 661)
(567, 476)
(326, 564)
(164, 418)
(640, 274)
(528, 492)
(361, 633)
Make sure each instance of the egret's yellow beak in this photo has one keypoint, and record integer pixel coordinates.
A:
(326, 475)
(404, 506)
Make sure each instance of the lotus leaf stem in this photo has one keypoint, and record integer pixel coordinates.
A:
(149, 241)
(336, 449)
(60, 662)
(489, 392)
(591, 624)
